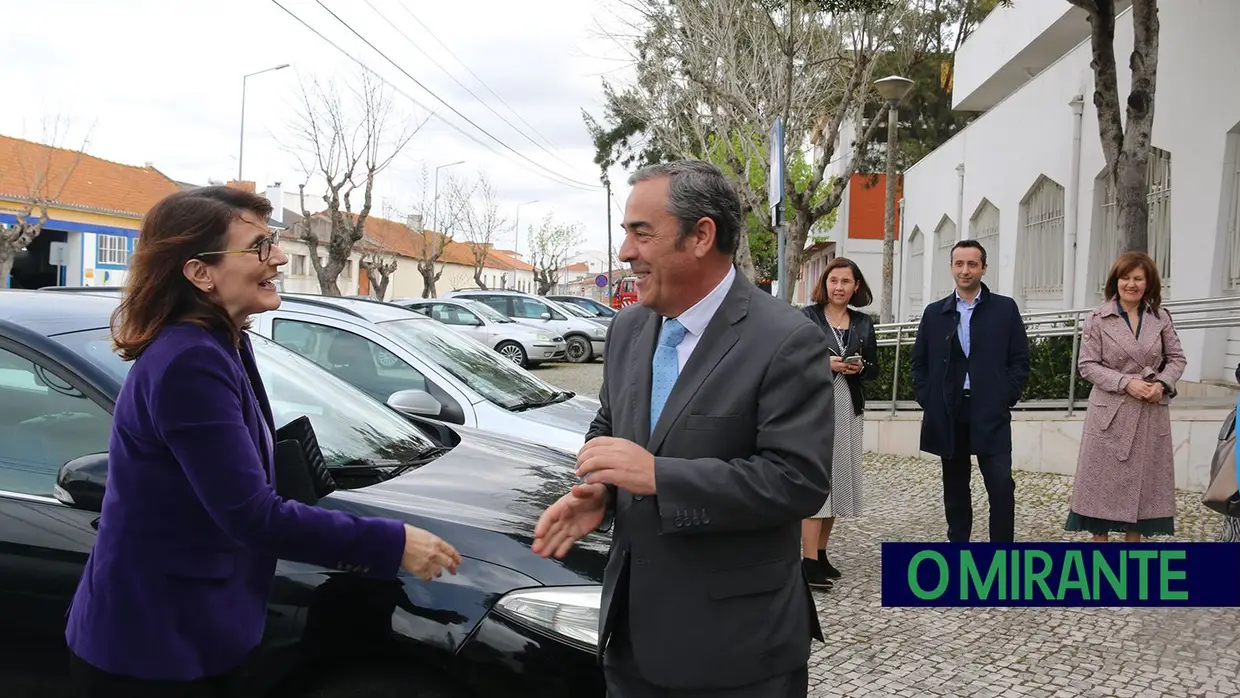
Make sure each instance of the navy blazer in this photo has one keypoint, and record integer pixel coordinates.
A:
(176, 586)
(998, 366)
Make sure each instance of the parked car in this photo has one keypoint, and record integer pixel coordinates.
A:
(386, 351)
(601, 312)
(509, 623)
(521, 344)
(585, 339)
(580, 312)
(420, 366)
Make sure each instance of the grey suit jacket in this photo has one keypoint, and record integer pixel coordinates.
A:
(708, 569)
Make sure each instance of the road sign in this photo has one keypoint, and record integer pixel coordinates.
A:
(601, 281)
(775, 171)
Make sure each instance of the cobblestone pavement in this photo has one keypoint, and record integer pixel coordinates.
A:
(978, 652)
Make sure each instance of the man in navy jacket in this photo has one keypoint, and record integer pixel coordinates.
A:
(970, 363)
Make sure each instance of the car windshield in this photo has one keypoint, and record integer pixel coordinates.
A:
(495, 378)
(486, 311)
(351, 428)
(573, 309)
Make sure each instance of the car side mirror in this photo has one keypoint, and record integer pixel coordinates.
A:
(414, 402)
(476, 322)
(545, 316)
(81, 482)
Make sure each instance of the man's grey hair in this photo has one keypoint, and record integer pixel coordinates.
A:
(697, 190)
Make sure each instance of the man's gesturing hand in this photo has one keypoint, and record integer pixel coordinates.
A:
(427, 555)
(569, 520)
(620, 462)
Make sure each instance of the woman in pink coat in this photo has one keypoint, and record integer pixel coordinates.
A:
(1131, 354)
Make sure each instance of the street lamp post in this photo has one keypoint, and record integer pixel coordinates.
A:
(241, 146)
(516, 243)
(893, 89)
(435, 210)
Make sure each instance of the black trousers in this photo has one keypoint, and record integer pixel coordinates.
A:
(957, 495)
(623, 680)
(92, 682)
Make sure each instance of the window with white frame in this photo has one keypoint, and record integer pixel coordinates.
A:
(298, 265)
(916, 271)
(1105, 233)
(1040, 241)
(941, 274)
(984, 227)
(112, 249)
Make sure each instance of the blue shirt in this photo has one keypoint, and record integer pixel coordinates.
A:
(962, 330)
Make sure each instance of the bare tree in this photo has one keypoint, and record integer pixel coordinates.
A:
(481, 221)
(1126, 143)
(346, 137)
(435, 242)
(712, 77)
(46, 171)
(378, 267)
(549, 249)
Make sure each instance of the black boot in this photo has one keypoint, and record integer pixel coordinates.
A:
(814, 574)
(828, 570)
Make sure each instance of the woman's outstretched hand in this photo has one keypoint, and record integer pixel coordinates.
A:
(427, 555)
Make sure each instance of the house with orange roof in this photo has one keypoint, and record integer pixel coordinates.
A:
(408, 244)
(94, 208)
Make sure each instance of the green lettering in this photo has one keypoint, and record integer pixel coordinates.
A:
(1143, 575)
(916, 588)
(1038, 577)
(1165, 574)
(1014, 582)
(1073, 576)
(1102, 568)
(971, 578)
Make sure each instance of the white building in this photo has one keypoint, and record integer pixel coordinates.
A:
(1027, 177)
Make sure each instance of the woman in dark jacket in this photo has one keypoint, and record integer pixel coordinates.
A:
(173, 599)
(854, 359)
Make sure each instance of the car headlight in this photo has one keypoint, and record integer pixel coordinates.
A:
(599, 332)
(571, 613)
(543, 337)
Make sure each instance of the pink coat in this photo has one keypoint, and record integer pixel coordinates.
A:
(1125, 469)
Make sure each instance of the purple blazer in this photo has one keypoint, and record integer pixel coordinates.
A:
(176, 586)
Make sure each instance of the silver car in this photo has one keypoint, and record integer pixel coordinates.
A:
(422, 367)
(600, 312)
(520, 344)
(585, 339)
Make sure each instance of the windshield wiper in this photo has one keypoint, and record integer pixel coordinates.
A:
(559, 396)
(423, 458)
(366, 463)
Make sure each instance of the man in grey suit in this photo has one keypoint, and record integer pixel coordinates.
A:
(712, 443)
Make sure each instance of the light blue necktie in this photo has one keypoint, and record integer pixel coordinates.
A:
(665, 367)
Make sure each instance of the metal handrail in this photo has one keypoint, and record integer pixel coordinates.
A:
(1190, 314)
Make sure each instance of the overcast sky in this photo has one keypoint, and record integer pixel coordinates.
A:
(156, 84)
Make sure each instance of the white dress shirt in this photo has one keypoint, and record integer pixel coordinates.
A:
(696, 319)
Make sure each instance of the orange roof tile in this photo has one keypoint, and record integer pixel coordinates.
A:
(396, 238)
(92, 183)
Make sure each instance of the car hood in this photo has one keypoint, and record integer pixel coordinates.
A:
(574, 415)
(484, 497)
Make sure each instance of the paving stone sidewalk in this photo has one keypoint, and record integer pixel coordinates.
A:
(1042, 653)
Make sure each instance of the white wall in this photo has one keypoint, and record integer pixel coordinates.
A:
(1030, 134)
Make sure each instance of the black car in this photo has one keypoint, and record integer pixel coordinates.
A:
(509, 623)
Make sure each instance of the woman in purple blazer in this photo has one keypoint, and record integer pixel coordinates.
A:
(173, 598)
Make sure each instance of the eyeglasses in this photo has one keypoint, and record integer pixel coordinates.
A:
(262, 248)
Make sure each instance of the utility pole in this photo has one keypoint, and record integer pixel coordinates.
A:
(607, 184)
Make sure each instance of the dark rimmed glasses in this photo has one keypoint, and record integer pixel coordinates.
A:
(262, 248)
